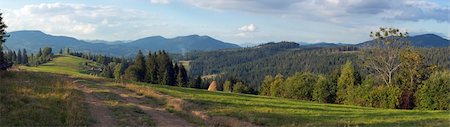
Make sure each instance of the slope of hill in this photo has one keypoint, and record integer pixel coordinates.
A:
(252, 64)
(424, 40)
(33, 40)
(126, 106)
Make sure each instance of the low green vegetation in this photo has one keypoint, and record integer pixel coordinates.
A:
(274, 111)
(69, 65)
(40, 99)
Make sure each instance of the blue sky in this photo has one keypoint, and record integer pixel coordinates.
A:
(235, 21)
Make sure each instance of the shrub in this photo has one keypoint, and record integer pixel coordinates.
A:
(435, 92)
(362, 94)
(385, 96)
(321, 89)
(239, 87)
(227, 86)
(276, 89)
(265, 86)
(299, 86)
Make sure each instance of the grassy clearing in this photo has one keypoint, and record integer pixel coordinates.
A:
(69, 65)
(270, 111)
(40, 99)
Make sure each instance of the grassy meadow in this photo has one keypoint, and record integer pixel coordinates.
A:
(260, 110)
(40, 99)
(68, 65)
(272, 111)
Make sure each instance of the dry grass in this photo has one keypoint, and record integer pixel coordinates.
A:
(125, 114)
(40, 99)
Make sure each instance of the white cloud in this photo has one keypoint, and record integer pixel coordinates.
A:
(246, 31)
(79, 20)
(160, 1)
(337, 11)
(248, 28)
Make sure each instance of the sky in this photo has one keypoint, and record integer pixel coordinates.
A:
(235, 21)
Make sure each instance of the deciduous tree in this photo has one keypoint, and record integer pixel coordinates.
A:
(383, 57)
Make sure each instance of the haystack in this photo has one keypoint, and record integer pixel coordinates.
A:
(212, 86)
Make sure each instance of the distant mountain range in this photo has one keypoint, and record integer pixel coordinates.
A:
(424, 40)
(33, 40)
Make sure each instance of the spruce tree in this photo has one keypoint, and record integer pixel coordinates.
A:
(152, 68)
(162, 61)
(19, 57)
(182, 78)
(137, 70)
(346, 83)
(176, 69)
(39, 53)
(25, 57)
(139, 64)
(196, 83)
(3, 27)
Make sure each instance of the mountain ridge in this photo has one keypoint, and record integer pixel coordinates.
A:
(32, 40)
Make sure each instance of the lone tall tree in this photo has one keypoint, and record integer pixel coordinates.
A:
(346, 83)
(2, 40)
(384, 56)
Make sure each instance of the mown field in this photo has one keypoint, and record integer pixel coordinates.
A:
(271, 111)
(260, 110)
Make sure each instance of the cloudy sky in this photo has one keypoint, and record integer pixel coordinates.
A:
(236, 21)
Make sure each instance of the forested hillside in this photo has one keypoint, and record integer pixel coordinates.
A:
(287, 58)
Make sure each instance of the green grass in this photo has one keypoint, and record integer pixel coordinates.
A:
(69, 65)
(40, 99)
(270, 111)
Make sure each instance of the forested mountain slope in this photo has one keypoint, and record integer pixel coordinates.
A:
(286, 58)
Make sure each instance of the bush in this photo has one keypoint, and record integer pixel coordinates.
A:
(321, 90)
(276, 88)
(239, 87)
(435, 92)
(227, 86)
(299, 86)
(385, 97)
(265, 86)
(362, 94)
